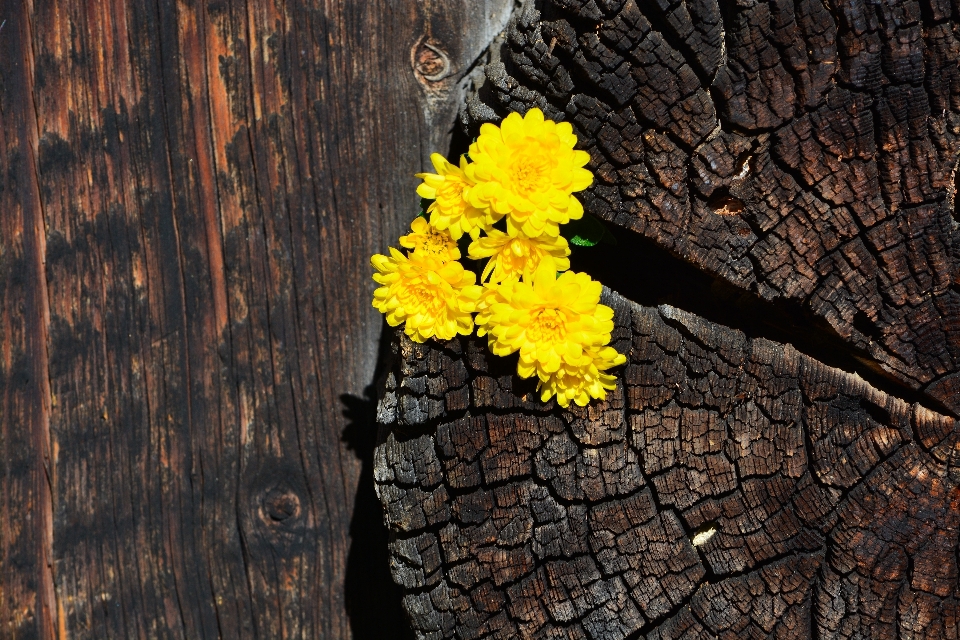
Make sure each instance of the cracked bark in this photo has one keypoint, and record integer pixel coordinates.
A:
(780, 458)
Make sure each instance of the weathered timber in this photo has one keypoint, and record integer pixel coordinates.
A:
(189, 196)
(803, 150)
(780, 458)
(731, 487)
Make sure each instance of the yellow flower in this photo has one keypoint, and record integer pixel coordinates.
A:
(559, 327)
(513, 256)
(528, 169)
(584, 380)
(450, 209)
(427, 240)
(434, 298)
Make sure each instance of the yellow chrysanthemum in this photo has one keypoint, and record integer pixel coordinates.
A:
(560, 329)
(514, 256)
(450, 210)
(528, 169)
(433, 298)
(427, 240)
(584, 380)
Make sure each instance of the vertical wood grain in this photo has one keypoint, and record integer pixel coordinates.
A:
(191, 193)
(27, 471)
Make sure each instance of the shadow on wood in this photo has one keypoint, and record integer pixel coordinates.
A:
(372, 598)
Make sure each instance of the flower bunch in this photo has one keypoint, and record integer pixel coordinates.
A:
(506, 204)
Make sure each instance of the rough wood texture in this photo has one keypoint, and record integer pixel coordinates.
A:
(834, 506)
(189, 197)
(804, 150)
(786, 462)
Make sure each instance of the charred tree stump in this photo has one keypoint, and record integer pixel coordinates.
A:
(780, 458)
(730, 487)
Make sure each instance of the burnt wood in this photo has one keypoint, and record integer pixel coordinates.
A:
(780, 457)
(731, 487)
(805, 151)
(189, 197)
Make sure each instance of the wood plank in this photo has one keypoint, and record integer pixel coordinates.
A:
(191, 195)
(27, 470)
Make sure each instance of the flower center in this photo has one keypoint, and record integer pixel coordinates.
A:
(432, 244)
(549, 324)
(530, 173)
(426, 298)
(519, 248)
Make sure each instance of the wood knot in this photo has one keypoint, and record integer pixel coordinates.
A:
(280, 504)
(431, 63)
(277, 499)
(278, 518)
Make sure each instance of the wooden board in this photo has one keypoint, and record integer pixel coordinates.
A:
(189, 197)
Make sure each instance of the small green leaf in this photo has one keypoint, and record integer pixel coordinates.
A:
(586, 232)
(582, 241)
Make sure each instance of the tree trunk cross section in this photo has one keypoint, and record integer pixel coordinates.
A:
(803, 153)
(826, 508)
(802, 150)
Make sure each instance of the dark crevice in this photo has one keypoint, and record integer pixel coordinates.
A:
(460, 141)
(864, 325)
(650, 625)
(649, 275)
(878, 413)
(774, 559)
(818, 582)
